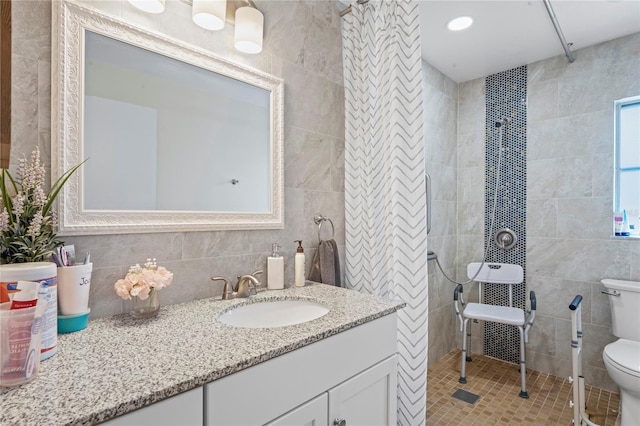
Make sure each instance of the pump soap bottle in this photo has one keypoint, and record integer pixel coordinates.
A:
(275, 270)
(299, 265)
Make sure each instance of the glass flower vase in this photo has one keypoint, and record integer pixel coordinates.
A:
(146, 308)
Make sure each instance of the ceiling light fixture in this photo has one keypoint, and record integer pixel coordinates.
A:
(212, 15)
(149, 6)
(460, 23)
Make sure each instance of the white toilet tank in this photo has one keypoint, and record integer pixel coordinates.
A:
(625, 308)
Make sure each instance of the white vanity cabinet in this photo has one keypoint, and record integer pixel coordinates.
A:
(350, 376)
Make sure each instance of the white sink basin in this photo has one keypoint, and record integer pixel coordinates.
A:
(277, 313)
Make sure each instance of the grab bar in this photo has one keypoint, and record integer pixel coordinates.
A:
(427, 181)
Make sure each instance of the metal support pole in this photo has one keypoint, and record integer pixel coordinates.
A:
(556, 25)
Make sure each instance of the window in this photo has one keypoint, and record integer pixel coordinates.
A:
(627, 159)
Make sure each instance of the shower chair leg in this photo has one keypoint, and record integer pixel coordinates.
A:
(523, 366)
(468, 354)
(463, 376)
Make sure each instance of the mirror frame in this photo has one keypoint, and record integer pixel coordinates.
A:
(69, 22)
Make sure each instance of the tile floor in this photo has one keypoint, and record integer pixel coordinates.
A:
(498, 384)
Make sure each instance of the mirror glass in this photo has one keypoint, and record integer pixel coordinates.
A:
(180, 137)
(175, 138)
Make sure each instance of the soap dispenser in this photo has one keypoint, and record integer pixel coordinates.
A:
(299, 265)
(275, 269)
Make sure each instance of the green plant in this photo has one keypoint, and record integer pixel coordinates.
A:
(27, 222)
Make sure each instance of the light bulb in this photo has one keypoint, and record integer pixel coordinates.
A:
(209, 14)
(461, 23)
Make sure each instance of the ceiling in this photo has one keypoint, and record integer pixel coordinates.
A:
(510, 33)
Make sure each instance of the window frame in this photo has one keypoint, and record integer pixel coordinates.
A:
(617, 170)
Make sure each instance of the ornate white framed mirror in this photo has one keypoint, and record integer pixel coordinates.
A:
(175, 138)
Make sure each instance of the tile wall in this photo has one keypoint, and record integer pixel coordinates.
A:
(440, 95)
(303, 46)
(569, 196)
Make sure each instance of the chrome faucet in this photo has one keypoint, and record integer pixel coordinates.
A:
(245, 287)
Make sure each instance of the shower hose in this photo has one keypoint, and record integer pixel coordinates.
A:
(500, 124)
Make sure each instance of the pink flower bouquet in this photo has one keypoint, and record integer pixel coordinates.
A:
(141, 280)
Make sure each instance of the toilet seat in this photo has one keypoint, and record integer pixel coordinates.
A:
(624, 355)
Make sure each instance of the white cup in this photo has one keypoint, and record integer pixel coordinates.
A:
(73, 289)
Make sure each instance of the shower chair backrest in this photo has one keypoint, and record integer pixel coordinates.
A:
(496, 273)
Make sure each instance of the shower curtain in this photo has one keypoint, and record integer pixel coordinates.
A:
(385, 205)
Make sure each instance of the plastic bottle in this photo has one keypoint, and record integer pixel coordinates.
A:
(299, 265)
(275, 269)
(46, 274)
(617, 223)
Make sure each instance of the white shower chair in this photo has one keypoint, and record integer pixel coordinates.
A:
(494, 273)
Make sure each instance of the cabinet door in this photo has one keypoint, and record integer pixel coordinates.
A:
(312, 413)
(368, 399)
(185, 409)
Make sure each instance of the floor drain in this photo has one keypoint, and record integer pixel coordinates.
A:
(468, 397)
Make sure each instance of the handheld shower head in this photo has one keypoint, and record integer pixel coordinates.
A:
(503, 122)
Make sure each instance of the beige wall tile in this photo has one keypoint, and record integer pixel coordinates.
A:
(583, 134)
(558, 66)
(471, 150)
(307, 159)
(574, 259)
(542, 218)
(634, 249)
(584, 218)
(543, 101)
(554, 296)
(600, 307)
(542, 336)
(445, 247)
(471, 219)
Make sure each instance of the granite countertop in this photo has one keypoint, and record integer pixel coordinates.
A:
(119, 364)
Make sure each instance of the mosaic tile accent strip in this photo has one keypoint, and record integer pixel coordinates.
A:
(506, 96)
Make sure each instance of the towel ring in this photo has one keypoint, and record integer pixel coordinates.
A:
(319, 220)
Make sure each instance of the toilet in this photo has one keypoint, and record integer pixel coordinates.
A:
(622, 357)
